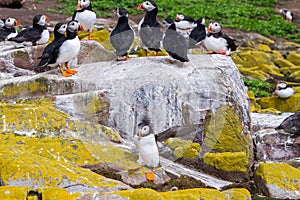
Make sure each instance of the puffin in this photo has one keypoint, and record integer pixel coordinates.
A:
(2, 22)
(51, 51)
(149, 28)
(198, 34)
(283, 90)
(85, 16)
(291, 124)
(8, 30)
(146, 145)
(175, 44)
(288, 15)
(218, 42)
(184, 22)
(122, 36)
(38, 34)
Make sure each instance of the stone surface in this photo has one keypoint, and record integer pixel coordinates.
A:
(278, 180)
(11, 3)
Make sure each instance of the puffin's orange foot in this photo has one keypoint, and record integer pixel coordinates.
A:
(169, 61)
(150, 175)
(71, 71)
(66, 74)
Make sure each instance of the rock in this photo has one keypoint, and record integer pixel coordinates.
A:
(271, 145)
(278, 180)
(291, 104)
(12, 3)
(291, 124)
(294, 57)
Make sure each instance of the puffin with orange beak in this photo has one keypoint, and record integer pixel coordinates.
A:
(147, 148)
(218, 42)
(283, 90)
(8, 30)
(288, 15)
(149, 28)
(85, 15)
(37, 34)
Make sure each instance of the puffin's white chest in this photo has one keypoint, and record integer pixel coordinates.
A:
(68, 50)
(185, 25)
(285, 93)
(11, 35)
(87, 19)
(218, 45)
(147, 150)
(44, 37)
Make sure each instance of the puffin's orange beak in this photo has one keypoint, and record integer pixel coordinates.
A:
(140, 6)
(277, 87)
(81, 28)
(17, 23)
(139, 135)
(78, 6)
(208, 28)
(47, 18)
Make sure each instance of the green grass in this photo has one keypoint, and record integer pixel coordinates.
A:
(251, 15)
(258, 87)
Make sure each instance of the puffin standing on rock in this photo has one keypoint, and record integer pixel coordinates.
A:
(51, 51)
(37, 34)
(198, 34)
(147, 148)
(122, 36)
(85, 16)
(8, 29)
(218, 42)
(149, 29)
(283, 90)
(175, 44)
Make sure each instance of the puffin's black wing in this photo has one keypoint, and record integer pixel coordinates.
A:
(230, 42)
(176, 45)
(122, 41)
(29, 34)
(50, 52)
(151, 37)
(197, 35)
(291, 124)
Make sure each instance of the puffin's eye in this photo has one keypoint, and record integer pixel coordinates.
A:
(216, 24)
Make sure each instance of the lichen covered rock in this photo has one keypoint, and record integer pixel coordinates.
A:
(291, 104)
(183, 149)
(278, 180)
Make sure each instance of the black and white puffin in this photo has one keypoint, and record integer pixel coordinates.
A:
(69, 49)
(283, 90)
(218, 42)
(2, 22)
(8, 30)
(291, 124)
(288, 15)
(149, 29)
(37, 34)
(175, 44)
(184, 22)
(51, 51)
(122, 36)
(198, 33)
(85, 16)
(146, 144)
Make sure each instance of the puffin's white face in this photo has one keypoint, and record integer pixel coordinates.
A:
(73, 26)
(144, 131)
(280, 85)
(84, 3)
(1, 23)
(62, 29)
(10, 22)
(179, 17)
(43, 20)
(147, 5)
(214, 27)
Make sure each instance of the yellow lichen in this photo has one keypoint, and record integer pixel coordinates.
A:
(263, 47)
(13, 192)
(227, 161)
(284, 63)
(223, 132)
(291, 104)
(183, 148)
(57, 194)
(294, 57)
(237, 194)
(283, 176)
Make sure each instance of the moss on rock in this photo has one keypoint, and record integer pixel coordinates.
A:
(223, 132)
(280, 180)
(228, 161)
(291, 104)
(283, 63)
(14, 192)
(183, 148)
(294, 57)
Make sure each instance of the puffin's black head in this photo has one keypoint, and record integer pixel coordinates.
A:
(60, 28)
(121, 12)
(147, 5)
(40, 20)
(200, 21)
(74, 26)
(2, 22)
